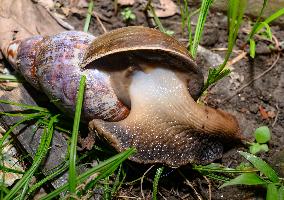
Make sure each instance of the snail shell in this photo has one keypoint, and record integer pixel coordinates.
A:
(140, 90)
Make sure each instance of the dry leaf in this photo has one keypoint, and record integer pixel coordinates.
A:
(167, 8)
(88, 142)
(48, 4)
(126, 2)
(8, 85)
(271, 114)
(263, 113)
(21, 19)
(10, 161)
(66, 11)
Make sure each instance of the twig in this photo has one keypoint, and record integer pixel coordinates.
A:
(127, 197)
(102, 18)
(277, 44)
(254, 79)
(209, 188)
(141, 184)
(162, 195)
(191, 186)
(60, 21)
(276, 117)
(100, 22)
(225, 49)
(236, 59)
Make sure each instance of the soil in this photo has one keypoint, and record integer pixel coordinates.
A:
(265, 93)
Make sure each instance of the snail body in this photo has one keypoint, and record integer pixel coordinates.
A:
(140, 90)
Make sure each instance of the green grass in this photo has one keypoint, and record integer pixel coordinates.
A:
(186, 19)
(104, 169)
(73, 146)
(157, 20)
(236, 11)
(89, 16)
(205, 5)
(39, 156)
(258, 26)
(156, 181)
(255, 173)
(48, 121)
(9, 77)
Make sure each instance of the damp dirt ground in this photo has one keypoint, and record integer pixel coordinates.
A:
(260, 103)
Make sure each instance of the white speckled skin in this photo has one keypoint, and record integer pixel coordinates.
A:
(166, 125)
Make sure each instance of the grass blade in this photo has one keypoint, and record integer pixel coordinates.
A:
(245, 179)
(73, 149)
(281, 193)
(117, 183)
(268, 30)
(4, 189)
(41, 151)
(30, 117)
(200, 25)
(261, 165)
(252, 48)
(89, 15)
(47, 178)
(217, 177)
(8, 77)
(156, 181)
(119, 158)
(271, 193)
(271, 18)
(156, 19)
(253, 31)
(235, 15)
(37, 108)
(6, 169)
(220, 169)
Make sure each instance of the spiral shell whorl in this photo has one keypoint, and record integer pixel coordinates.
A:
(51, 64)
(26, 57)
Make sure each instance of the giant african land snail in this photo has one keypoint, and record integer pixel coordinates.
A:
(140, 91)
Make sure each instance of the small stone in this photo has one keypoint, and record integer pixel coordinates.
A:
(262, 48)
(253, 108)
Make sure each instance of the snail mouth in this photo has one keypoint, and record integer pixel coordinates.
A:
(165, 124)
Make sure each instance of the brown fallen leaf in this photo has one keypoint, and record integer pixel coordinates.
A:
(8, 85)
(271, 114)
(20, 19)
(9, 160)
(87, 142)
(167, 8)
(126, 2)
(263, 112)
(48, 4)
